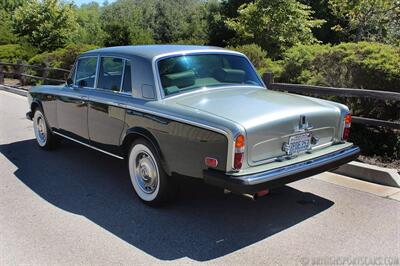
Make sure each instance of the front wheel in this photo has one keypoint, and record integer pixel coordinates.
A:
(44, 137)
(152, 185)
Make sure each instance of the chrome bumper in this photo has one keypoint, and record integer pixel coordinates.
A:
(279, 176)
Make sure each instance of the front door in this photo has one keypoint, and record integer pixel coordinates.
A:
(72, 103)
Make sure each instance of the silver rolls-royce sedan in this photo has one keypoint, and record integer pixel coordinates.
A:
(190, 111)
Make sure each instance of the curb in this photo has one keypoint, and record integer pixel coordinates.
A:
(370, 173)
(362, 171)
(14, 90)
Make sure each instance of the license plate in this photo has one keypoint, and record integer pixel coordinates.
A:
(299, 143)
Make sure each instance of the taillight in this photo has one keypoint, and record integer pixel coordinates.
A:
(239, 152)
(347, 125)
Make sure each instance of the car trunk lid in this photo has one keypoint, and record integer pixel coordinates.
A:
(270, 118)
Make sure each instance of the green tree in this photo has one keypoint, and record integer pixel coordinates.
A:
(89, 29)
(6, 34)
(153, 21)
(179, 21)
(275, 25)
(47, 24)
(10, 5)
(325, 33)
(122, 24)
(218, 12)
(371, 20)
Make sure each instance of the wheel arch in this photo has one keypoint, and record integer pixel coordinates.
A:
(36, 104)
(135, 133)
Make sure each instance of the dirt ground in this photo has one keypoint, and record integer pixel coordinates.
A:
(379, 161)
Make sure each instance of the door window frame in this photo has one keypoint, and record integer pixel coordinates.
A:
(122, 75)
(75, 69)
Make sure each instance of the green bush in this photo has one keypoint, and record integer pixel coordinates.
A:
(13, 52)
(60, 58)
(361, 65)
(298, 62)
(259, 58)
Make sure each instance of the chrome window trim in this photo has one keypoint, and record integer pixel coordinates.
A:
(207, 89)
(156, 59)
(122, 76)
(98, 72)
(88, 145)
(117, 92)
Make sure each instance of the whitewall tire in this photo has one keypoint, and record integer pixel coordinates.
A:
(44, 137)
(152, 185)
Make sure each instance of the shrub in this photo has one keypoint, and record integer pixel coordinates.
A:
(259, 58)
(361, 65)
(13, 52)
(60, 58)
(298, 62)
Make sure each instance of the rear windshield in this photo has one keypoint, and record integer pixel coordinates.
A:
(190, 72)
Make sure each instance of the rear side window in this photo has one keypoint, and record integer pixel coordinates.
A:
(127, 82)
(86, 72)
(110, 73)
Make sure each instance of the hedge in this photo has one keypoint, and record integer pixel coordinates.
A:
(60, 58)
(361, 65)
(13, 52)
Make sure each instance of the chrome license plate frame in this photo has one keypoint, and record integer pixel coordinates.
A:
(299, 143)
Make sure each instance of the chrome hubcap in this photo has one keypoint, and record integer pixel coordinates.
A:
(146, 173)
(40, 130)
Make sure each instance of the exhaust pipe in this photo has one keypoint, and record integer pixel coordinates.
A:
(253, 197)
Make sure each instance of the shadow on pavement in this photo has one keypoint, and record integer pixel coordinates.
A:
(203, 224)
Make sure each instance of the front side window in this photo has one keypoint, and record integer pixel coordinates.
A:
(110, 73)
(189, 72)
(86, 72)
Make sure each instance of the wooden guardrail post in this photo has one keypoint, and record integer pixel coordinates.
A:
(45, 72)
(268, 78)
(1, 74)
(20, 72)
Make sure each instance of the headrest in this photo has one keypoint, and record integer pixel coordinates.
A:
(230, 75)
(171, 90)
(180, 80)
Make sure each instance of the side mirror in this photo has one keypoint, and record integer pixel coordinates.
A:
(70, 81)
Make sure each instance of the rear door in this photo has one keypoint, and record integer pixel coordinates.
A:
(106, 113)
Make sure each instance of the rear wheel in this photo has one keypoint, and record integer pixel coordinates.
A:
(152, 185)
(44, 137)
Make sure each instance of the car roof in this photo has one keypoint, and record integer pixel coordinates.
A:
(152, 51)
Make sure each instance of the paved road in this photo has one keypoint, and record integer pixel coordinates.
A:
(76, 206)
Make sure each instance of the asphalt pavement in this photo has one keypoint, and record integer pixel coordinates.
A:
(76, 206)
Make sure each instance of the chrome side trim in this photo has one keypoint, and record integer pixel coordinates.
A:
(147, 111)
(277, 173)
(87, 145)
(208, 89)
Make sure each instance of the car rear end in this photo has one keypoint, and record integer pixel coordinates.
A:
(286, 145)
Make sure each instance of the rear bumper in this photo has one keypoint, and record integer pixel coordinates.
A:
(279, 176)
